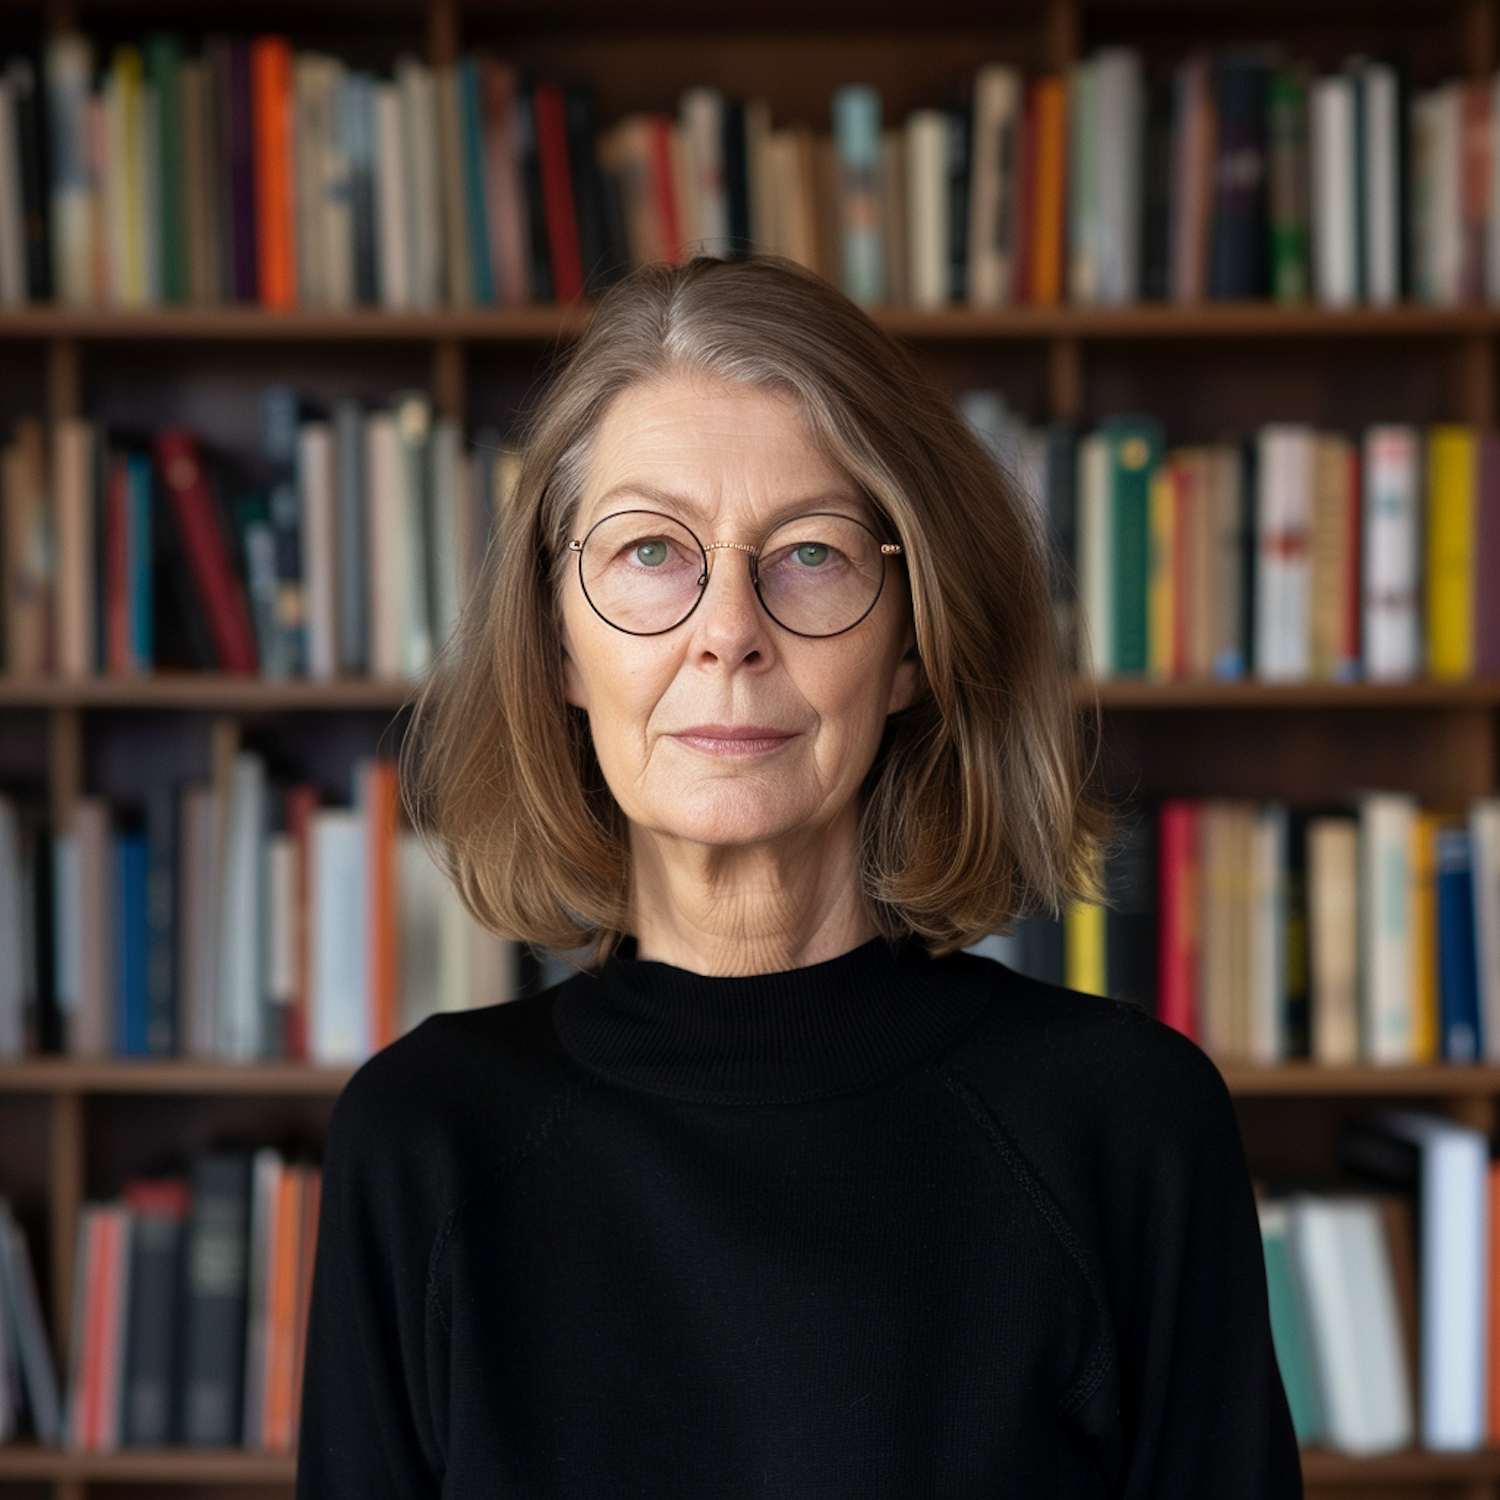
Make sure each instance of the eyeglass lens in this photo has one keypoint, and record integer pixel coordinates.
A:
(817, 574)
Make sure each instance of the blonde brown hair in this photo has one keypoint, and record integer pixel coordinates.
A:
(976, 809)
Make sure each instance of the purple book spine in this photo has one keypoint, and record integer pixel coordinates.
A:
(241, 174)
(1487, 560)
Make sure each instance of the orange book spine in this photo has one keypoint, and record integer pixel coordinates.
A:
(312, 1197)
(282, 1304)
(275, 226)
(1050, 187)
(384, 923)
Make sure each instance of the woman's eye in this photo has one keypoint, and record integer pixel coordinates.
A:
(651, 554)
(812, 554)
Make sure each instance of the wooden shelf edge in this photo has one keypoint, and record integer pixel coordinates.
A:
(148, 1465)
(542, 324)
(1319, 1467)
(1309, 1080)
(207, 690)
(64, 1075)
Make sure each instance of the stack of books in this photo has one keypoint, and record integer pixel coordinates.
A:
(126, 551)
(236, 918)
(247, 171)
(190, 1307)
(1383, 1306)
(1297, 555)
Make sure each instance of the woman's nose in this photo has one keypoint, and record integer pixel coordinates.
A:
(731, 625)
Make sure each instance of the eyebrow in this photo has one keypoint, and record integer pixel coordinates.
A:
(674, 503)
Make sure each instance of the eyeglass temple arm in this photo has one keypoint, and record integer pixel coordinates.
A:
(888, 549)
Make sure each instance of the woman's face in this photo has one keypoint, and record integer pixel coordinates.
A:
(729, 729)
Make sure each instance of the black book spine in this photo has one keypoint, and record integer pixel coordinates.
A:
(161, 919)
(531, 181)
(216, 53)
(182, 634)
(1237, 256)
(1298, 975)
(736, 178)
(1156, 191)
(957, 198)
(217, 1256)
(151, 1343)
(1130, 913)
(588, 188)
(31, 146)
(358, 107)
(1061, 478)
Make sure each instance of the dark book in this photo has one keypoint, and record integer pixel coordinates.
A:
(736, 178)
(1239, 237)
(1458, 967)
(229, 84)
(161, 918)
(151, 1396)
(1130, 913)
(41, 1019)
(1156, 190)
(1298, 974)
(957, 200)
(279, 421)
(616, 235)
(182, 634)
(31, 146)
(540, 255)
(131, 944)
(214, 1301)
(1040, 950)
(1061, 499)
(588, 189)
(1287, 185)
(353, 543)
(356, 118)
(163, 52)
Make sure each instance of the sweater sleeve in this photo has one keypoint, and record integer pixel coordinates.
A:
(366, 1428)
(1204, 1413)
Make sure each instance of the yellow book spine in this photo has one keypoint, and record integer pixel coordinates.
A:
(1424, 955)
(1083, 948)
(1161, 601)
(1451, 471)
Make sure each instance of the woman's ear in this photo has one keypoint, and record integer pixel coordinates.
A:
(906, 685)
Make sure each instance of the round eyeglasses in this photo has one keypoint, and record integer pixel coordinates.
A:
(815, 575)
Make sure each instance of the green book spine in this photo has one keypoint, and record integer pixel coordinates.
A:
(1287, 169)
(164, 72)
(1288, 1330)
(1135, 445)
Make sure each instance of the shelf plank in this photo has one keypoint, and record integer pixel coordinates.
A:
(543, 324)
(204, 690)
(208, 690)
(148, 1465)
(1308, 1080)
(1410, 1466)
(63, 1075)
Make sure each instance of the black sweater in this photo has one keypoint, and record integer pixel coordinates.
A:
(880, 1227)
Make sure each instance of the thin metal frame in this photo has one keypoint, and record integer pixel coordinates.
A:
(887, 549)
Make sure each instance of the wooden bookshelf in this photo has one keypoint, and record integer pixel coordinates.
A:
(66, 1125)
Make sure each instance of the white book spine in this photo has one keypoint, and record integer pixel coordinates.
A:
(994, 161)
(424, 208)
(702, 116)
(1382, 155)
(1392, 557)
(335, 200)
(1332, 160)
(318, 516)
(1121, 124)
(1287, 473)
(282, 901)
(392, 262)
(241, 987)
(926, 153)
(1447, 195)
(338, 1024)
(1387, 827)
(1095, 556)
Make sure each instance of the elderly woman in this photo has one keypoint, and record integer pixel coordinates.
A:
(783, 1194)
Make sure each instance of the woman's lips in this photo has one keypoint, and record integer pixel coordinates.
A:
(730, 739)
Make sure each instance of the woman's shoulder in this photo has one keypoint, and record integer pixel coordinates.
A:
(1105, 1064)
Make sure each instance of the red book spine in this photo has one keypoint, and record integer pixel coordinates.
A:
(557, 192)
(301, 804)
(116, 567)
(380, 799)
(275, 221)
(664, 187)
(218, 585)
(1177, 957)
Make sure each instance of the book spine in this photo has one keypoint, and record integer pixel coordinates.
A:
(1237, 254)
(69, 67)
(1135, 453)
(1287, 172)
(1049, 203)
(1452, 472)
(856, 129)
(270, 63)
(164, 69)
(481, 261)
(557, 192)
(214, 1304)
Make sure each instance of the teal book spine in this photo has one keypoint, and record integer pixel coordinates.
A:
(856, 134)
(1135, 448)
(164, 72)
(472, 129)
(1288, 1325)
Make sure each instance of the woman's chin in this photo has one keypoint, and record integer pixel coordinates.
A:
(733, 817)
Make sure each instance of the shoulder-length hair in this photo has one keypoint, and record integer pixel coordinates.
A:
(976, 809)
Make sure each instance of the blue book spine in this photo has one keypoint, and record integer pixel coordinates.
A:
(856, 133)
(1458, 967)
(138, 551)
(473, 149)
(131, 946)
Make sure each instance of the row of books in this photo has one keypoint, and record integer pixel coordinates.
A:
(28, 1374)
(1297, 555)
(249, 171)
(238, 918)
(190, 1307)
(1385, 1307)
(128, 551)
(1367, 932)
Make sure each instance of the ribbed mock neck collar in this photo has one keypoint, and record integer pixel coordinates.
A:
(808, 1033)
